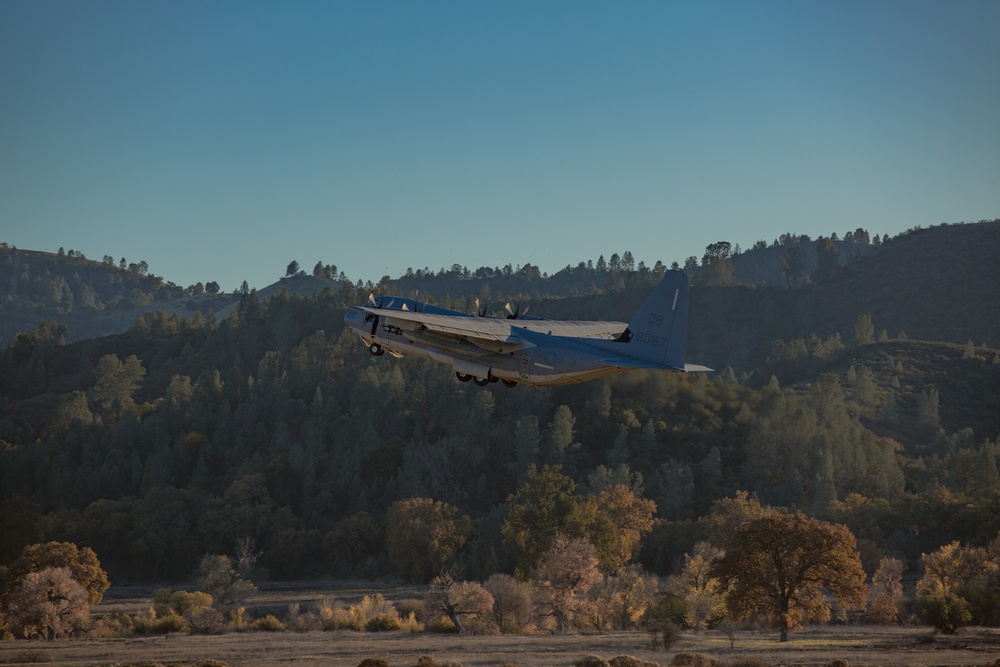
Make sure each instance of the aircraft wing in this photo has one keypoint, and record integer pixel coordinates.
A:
(574, 328)
(479, 330)
(462, 326)
(630, 362)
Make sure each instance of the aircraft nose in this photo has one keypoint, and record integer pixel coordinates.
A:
(353, 319)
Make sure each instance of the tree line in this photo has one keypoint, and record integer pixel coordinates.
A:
(183, 437)
(760, 566)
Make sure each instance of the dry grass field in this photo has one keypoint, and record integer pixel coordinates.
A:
(864, 645)
(821, 645)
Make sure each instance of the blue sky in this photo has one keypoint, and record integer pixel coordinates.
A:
(221, 140)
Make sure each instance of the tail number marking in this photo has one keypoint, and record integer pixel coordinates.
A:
(651, 339)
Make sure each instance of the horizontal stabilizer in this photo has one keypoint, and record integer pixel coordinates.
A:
(695, 368)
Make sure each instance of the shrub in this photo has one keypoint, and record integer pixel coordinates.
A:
(409, 606)
(238, 619)
(166, 625)
(670, 632)
(327, 612)
(166, 602)
(357, 617)
(692, 660)
(666, 608)
(441, 625)
(374, 662)
(625, 661)
(299, 622)
(946, 611)
(428, 661)
(410, 623)
(372, 606)
(161, 601)
(115, 623)
(269, 623)
(206, 621)
(591, 661)
(382, 624)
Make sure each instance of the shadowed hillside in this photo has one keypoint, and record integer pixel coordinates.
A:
(89, 298)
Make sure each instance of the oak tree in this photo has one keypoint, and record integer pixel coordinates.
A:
(82, 563)
(423, 534)
(782, 565)
(628, 517)
(48, 603)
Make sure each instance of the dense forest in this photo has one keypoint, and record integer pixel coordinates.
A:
(185, 436)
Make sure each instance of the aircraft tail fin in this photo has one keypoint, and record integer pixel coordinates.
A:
(658, 332)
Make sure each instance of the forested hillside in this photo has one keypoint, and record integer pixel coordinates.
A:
(86, 298)
(184, 437)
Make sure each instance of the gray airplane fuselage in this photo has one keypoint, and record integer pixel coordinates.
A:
(548, 362)
(527, 350)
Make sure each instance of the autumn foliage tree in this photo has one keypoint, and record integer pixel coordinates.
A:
(613, 521)
(782, 565)
(702, 594)
(423, 534)
(48, 603)
(565, 574)
(82, 564)
(622, 519)
(952, 574)
(886, 591)
(619, 602)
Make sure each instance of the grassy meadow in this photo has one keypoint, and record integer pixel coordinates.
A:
(818, 645)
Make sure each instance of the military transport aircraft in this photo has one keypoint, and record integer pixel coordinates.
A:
(531, 351)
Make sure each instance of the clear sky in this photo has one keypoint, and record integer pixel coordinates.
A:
(221, 140)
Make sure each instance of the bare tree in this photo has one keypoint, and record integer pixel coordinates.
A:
(887, 590)
(512, 609)
(218, 578)
(459, 600)
(565, 574)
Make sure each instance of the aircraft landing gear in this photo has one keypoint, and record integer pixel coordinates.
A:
(462, 377)
(482, 382)
(508, 383)
(376, 350)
